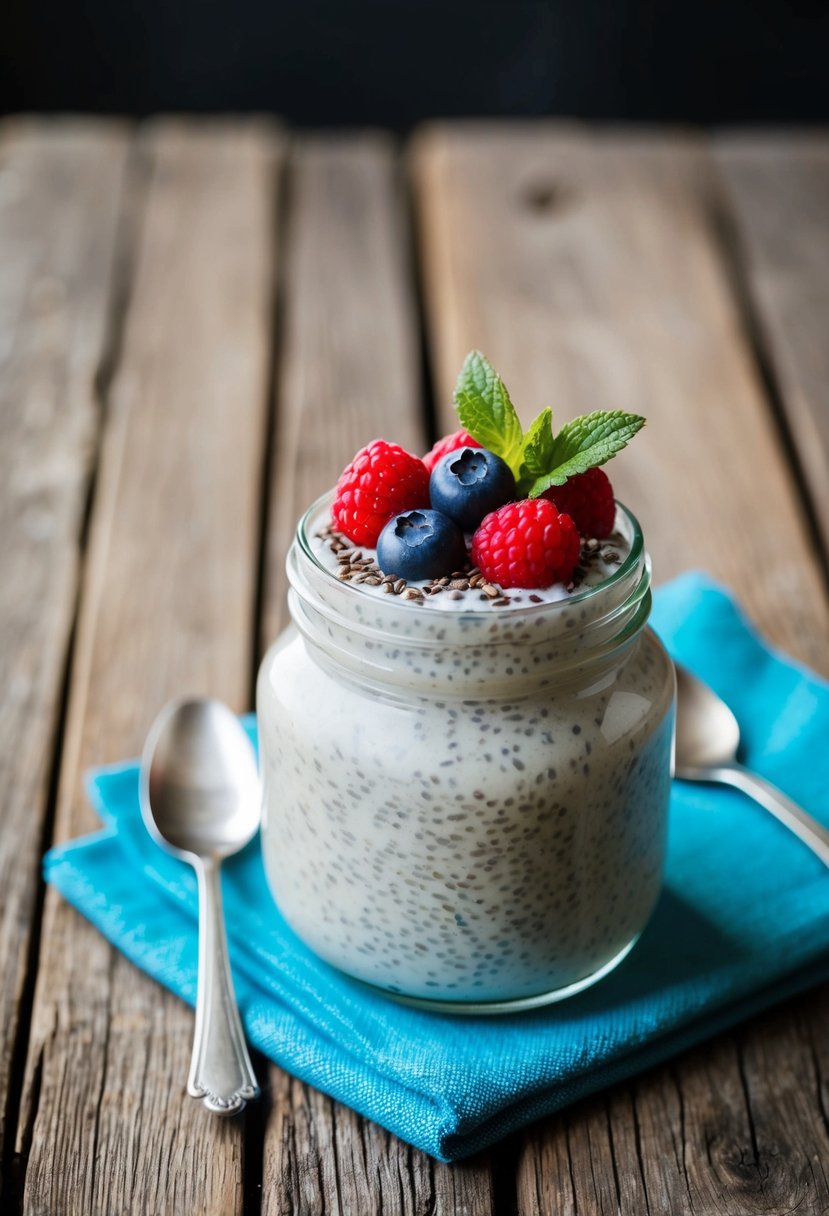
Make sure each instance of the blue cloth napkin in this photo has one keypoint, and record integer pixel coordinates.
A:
(742, 923)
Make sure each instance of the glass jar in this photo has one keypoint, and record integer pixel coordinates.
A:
(466, 809)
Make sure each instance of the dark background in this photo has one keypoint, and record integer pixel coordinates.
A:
(398, 61)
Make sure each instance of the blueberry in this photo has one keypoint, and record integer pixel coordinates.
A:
(469, 483)
(421, 544)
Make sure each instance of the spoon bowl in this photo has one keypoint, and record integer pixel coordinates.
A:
(202, 795)
(201, 801)
(707, 732)
(707, 744)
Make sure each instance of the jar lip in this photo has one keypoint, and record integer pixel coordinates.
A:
(633, 558)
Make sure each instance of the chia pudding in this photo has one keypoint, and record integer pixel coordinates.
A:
(466, 796)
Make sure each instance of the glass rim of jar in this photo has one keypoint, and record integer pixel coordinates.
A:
(634, 556)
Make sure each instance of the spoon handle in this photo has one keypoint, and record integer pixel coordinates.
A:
(778, 804)
(220, 1070)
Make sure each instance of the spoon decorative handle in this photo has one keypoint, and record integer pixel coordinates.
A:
(776, 802)
(220, 1071)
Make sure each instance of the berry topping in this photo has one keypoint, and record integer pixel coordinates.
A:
(449, 443)
(421, 544)
(381, 481)
(588, 499)
(526, 544)
(469, 483)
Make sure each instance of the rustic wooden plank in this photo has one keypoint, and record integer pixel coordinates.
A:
(548, 1175)
(167, 607)
(778, 189)
(324, 1160)
(589, 268)
(349, 368)
(349, 371)
(60, 186)
(695, 1137)
(755, 1137)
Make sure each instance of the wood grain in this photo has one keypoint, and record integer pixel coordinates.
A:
(778, 188)
(60, 187)
(728, 1129)
(589, 266)
(348, 372)
(167, 608)
(325, 1160)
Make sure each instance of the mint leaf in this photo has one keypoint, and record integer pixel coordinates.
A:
(485, 410)
(537, 453)
(585, 443)
(538, 443)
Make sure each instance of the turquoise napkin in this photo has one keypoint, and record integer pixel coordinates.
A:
(742, 923)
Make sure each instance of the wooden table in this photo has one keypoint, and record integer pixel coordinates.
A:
(199, 324)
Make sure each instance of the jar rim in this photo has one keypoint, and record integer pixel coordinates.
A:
(634, 556)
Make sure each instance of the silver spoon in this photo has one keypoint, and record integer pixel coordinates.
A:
(707, 739)
(201, 801)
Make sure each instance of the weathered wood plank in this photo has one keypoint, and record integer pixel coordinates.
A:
(167, 607)
(589, 268)
(60, 187)
(349, 371)
(755, 1138)
(324, 1160)
(778, 188)
(349, 368)
(695, 1137)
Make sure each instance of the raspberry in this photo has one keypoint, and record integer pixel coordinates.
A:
(381, 481)
(449, 443)
(526, 544)
(588, 499)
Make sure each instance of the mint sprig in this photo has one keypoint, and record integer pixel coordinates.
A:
(538, 459)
